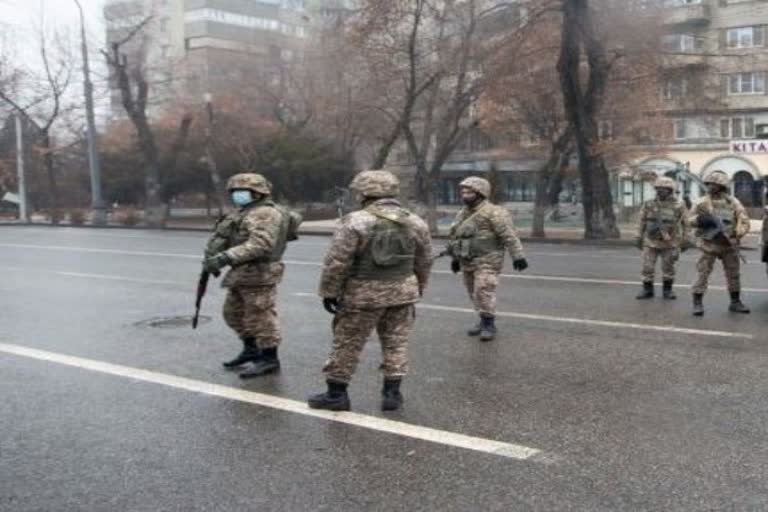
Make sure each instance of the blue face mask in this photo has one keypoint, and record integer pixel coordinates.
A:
(242, 197)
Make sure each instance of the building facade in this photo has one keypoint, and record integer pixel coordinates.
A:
(196, 47)
(714, 97)
(714, 92)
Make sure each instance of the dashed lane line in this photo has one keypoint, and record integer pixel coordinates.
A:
(584, 321)
(522, 277)
(373, 423)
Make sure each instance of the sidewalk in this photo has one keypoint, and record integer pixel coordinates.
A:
(555, 235)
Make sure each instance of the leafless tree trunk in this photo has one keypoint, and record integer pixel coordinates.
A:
(582, 104)
(549, 182)
(134, 92)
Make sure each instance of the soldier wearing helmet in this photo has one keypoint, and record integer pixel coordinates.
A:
(480, 235)
(376, 269)
(252, 240)
(662, 234)
(721, 222)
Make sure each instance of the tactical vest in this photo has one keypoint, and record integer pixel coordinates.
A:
(661, 222)
(228, 234)
(390, 253)
(467, 242)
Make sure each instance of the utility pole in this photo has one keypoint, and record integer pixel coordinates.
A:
(23, 214)
(98, 209)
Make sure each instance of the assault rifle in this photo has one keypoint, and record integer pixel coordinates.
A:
(655, 226)
(720, 234)
(202, 287)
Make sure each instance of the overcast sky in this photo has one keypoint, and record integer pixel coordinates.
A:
(24, 16)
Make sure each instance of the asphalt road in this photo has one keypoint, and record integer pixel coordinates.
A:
(588, 400)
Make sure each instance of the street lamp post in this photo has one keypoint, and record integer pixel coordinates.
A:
(209, 156)
(98, 208)
(23, 213)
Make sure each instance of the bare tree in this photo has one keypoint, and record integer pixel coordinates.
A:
(40, 99)
(130, 75)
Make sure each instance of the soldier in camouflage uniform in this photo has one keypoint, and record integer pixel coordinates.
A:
(252, 241)
(479, 237)
(721, 223)
(375, 271)
(662, 233)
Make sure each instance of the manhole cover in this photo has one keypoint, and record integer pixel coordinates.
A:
(172, 322)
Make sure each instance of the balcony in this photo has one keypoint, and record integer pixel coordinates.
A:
(690, 14)
(672, 60)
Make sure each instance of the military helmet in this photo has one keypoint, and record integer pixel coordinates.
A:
(376, 184)
(664, 182)
(478, 185)
(250, 181)
(718, 178)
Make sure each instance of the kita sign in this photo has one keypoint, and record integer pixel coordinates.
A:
(754, 147)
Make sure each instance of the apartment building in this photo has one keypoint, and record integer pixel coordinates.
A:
(715, 96)
(197, 47)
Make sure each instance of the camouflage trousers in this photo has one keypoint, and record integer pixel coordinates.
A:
(668, 258)
(731, 266)
(251, 313)
(481, 286)
(351, 329)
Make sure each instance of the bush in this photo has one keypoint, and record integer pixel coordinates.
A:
(77, 217)
(127, 217)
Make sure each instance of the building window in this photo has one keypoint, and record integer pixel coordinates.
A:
(679, 3)
(680, 43)
(605, 130)
(680, 128)
(530, 139)
(737, 128)
(675, 87)
(746, 83)
(745, 37)
(520, 186)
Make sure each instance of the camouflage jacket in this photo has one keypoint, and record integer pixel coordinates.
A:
(254, 239)
(488, 222)
(349, 244)
(730, 211)
(662, 224)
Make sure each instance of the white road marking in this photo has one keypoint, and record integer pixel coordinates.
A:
(105, 251)
(374, 423)
(582, 321)
(98, 276)
(590, 280)
(532, 277)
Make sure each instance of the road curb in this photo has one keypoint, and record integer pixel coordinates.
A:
(323, 233)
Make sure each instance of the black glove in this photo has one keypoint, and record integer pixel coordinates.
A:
(215, 263)
(685, 245)
(331, 305)
(706, 221)
(520, 264)
(455, 266)
(639, 243)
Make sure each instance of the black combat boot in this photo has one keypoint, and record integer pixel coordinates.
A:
(476, 329)
(646, 292)
(488, 328)
(392, 399)
(250, 354)
(669, 292)
(267, 363)
(335, 399)
(736, 305)
(698, 304)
